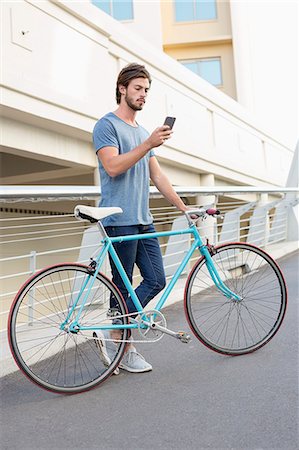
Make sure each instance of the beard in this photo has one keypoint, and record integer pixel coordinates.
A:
(132, 105)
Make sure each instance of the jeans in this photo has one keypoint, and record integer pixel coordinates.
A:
(146, 254)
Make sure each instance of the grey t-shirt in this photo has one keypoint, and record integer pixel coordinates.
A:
(129, 190)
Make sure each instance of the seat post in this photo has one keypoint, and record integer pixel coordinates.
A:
(102, 229)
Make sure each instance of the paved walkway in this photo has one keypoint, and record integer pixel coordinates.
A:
(193, 399)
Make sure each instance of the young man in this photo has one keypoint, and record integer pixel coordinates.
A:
(127, 163)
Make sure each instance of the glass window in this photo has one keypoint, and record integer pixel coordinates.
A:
(119, 9)
(192, 66)
(205, 10)
(184, 10)
(122, 9)
(209, 69)
(189, 10)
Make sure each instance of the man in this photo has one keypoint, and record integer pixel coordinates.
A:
(127, 163)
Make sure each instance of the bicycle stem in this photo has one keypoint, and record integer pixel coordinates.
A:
(216, 278)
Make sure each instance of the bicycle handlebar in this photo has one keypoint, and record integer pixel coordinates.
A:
(201, 212)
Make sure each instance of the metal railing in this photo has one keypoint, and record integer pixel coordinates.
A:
(31, 238)
(51, 193)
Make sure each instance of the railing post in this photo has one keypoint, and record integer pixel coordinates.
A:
(207, 228)
(263, 200)
(32, 268)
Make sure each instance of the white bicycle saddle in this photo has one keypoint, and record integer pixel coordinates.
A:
(93, 214)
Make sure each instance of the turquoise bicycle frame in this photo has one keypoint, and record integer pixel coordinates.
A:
(108, 248)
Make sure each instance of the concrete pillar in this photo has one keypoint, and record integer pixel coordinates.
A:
(208, 226)
(263, 199)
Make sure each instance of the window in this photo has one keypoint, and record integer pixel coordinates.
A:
(209, 69)
(119, 9)
(191, 10)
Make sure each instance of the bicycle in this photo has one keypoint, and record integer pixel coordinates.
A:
(235, 301)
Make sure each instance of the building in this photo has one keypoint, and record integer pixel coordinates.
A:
(61, 61)
(199, 35)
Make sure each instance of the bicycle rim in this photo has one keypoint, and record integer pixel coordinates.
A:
(236, 327)
(55, 358)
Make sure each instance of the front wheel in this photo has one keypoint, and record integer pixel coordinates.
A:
(236, 327)
(42, 342)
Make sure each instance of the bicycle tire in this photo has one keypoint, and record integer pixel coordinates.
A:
(236, 327)
(54, 358)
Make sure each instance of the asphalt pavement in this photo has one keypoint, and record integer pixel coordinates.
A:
(193, 399)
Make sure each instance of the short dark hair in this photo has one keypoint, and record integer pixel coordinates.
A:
(127, 74)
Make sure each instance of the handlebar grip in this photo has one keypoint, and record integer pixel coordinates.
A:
(213, 212)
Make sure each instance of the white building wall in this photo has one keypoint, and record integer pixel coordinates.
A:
(147, 22)
(265, 43)
(62, 60)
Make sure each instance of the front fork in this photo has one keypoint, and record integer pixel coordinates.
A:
(205, 251)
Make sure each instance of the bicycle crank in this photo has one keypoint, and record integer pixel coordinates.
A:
(181, 335)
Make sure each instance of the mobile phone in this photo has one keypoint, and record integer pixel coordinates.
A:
(169, 121)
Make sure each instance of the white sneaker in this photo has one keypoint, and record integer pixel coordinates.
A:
(107, 349)
(134, 362)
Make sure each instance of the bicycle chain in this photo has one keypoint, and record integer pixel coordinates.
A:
(131, 340)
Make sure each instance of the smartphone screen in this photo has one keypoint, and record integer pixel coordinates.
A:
(169, 121)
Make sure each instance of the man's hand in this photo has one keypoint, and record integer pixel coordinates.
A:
(189, 208)
(159, 136)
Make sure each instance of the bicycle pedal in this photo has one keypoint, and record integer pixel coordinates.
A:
(184, 337)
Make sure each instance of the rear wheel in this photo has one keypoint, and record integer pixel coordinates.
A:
(48, 352)
(229, 326)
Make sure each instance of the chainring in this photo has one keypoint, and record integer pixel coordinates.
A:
(148, 333)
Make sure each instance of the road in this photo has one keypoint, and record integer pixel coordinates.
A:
(193, 399)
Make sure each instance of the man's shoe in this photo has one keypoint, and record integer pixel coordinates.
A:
(107, 349)
(134, 362)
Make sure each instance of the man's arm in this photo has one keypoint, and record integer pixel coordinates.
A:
(115, 164)
(163, 184)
